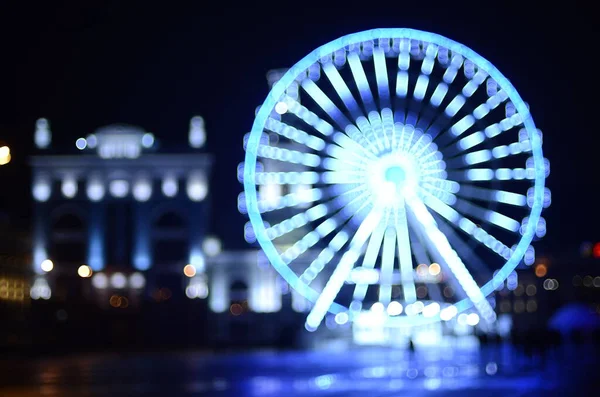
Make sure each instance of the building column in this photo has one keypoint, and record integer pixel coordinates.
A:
(96, 235)
(198, 217)
(40, 236)
(142, 252)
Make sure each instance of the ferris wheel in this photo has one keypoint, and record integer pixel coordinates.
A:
(398, 175)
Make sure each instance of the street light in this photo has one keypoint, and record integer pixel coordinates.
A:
(4, 155)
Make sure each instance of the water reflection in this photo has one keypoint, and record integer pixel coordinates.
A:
(494, 371)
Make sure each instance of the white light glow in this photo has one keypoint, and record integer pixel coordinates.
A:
(394, 308)
(119, 188)
(95, 190)
(41, 189)
(47, 265)
(197, 135)
(42, 136)
(69, 187)
(118, 281)
(281, 107)
(137, 280)
(142, 189)
(81, 143)
(211, 246)
(100, 281)
(147, 140)
(84, 271)
(170, 186)
(197, 187)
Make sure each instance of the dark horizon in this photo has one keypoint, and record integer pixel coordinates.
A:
(84, 67)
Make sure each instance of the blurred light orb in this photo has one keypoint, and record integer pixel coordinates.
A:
(491, 368)
(197, 134)
(212, 246)
(81, 143)
(473, 319)
(434, 269)
(43, 136)
(281, 107)
(142, 190)
(596, 250)
(147, 140)
(170, 186)
(541, 270)
(341, 318)
(189, 270)
(4, 155)
(394, 308)
(197, 188)
(137, 280)
(92, 141)
(119, 188)
(69, 187)
(118, 280)
(47, 265)
(95, 190)
(41, 190)
(100, 281)
(84, 271)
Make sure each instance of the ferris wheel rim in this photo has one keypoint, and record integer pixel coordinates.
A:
(313, 57)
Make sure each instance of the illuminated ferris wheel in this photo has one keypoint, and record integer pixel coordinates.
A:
(397, 176)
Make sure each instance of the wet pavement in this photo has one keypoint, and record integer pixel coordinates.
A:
(499, 371)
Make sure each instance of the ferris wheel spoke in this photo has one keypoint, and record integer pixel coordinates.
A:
(387, 266)
(311, 238)
(405, 254)
(381, 75)
(342, 89)
(287, 178)
(448, 78)
(488, 174)
(341, 177)
(438, 244)
(476, 138)
(308, 117)
(360, 78)
(369, 261)
(342, 270)
(289, 156)
(295, 134)
(336, 243)
(466, 225)
(289, 200)
(492, 195)
(487, 215)
(480, 112)
(337, 165)
(380, 133)
(297, 221)
(375, 144)
(463, 249)
(315, 92)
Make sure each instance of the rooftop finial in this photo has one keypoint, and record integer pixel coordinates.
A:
(43, 136)
(197, 136)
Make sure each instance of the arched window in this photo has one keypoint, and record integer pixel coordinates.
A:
(170, 239)
(238, 291)
(68, 244)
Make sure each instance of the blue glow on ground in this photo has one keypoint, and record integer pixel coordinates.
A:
(492, 372)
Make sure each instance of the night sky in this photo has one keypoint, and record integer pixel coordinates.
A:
(84, 66)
